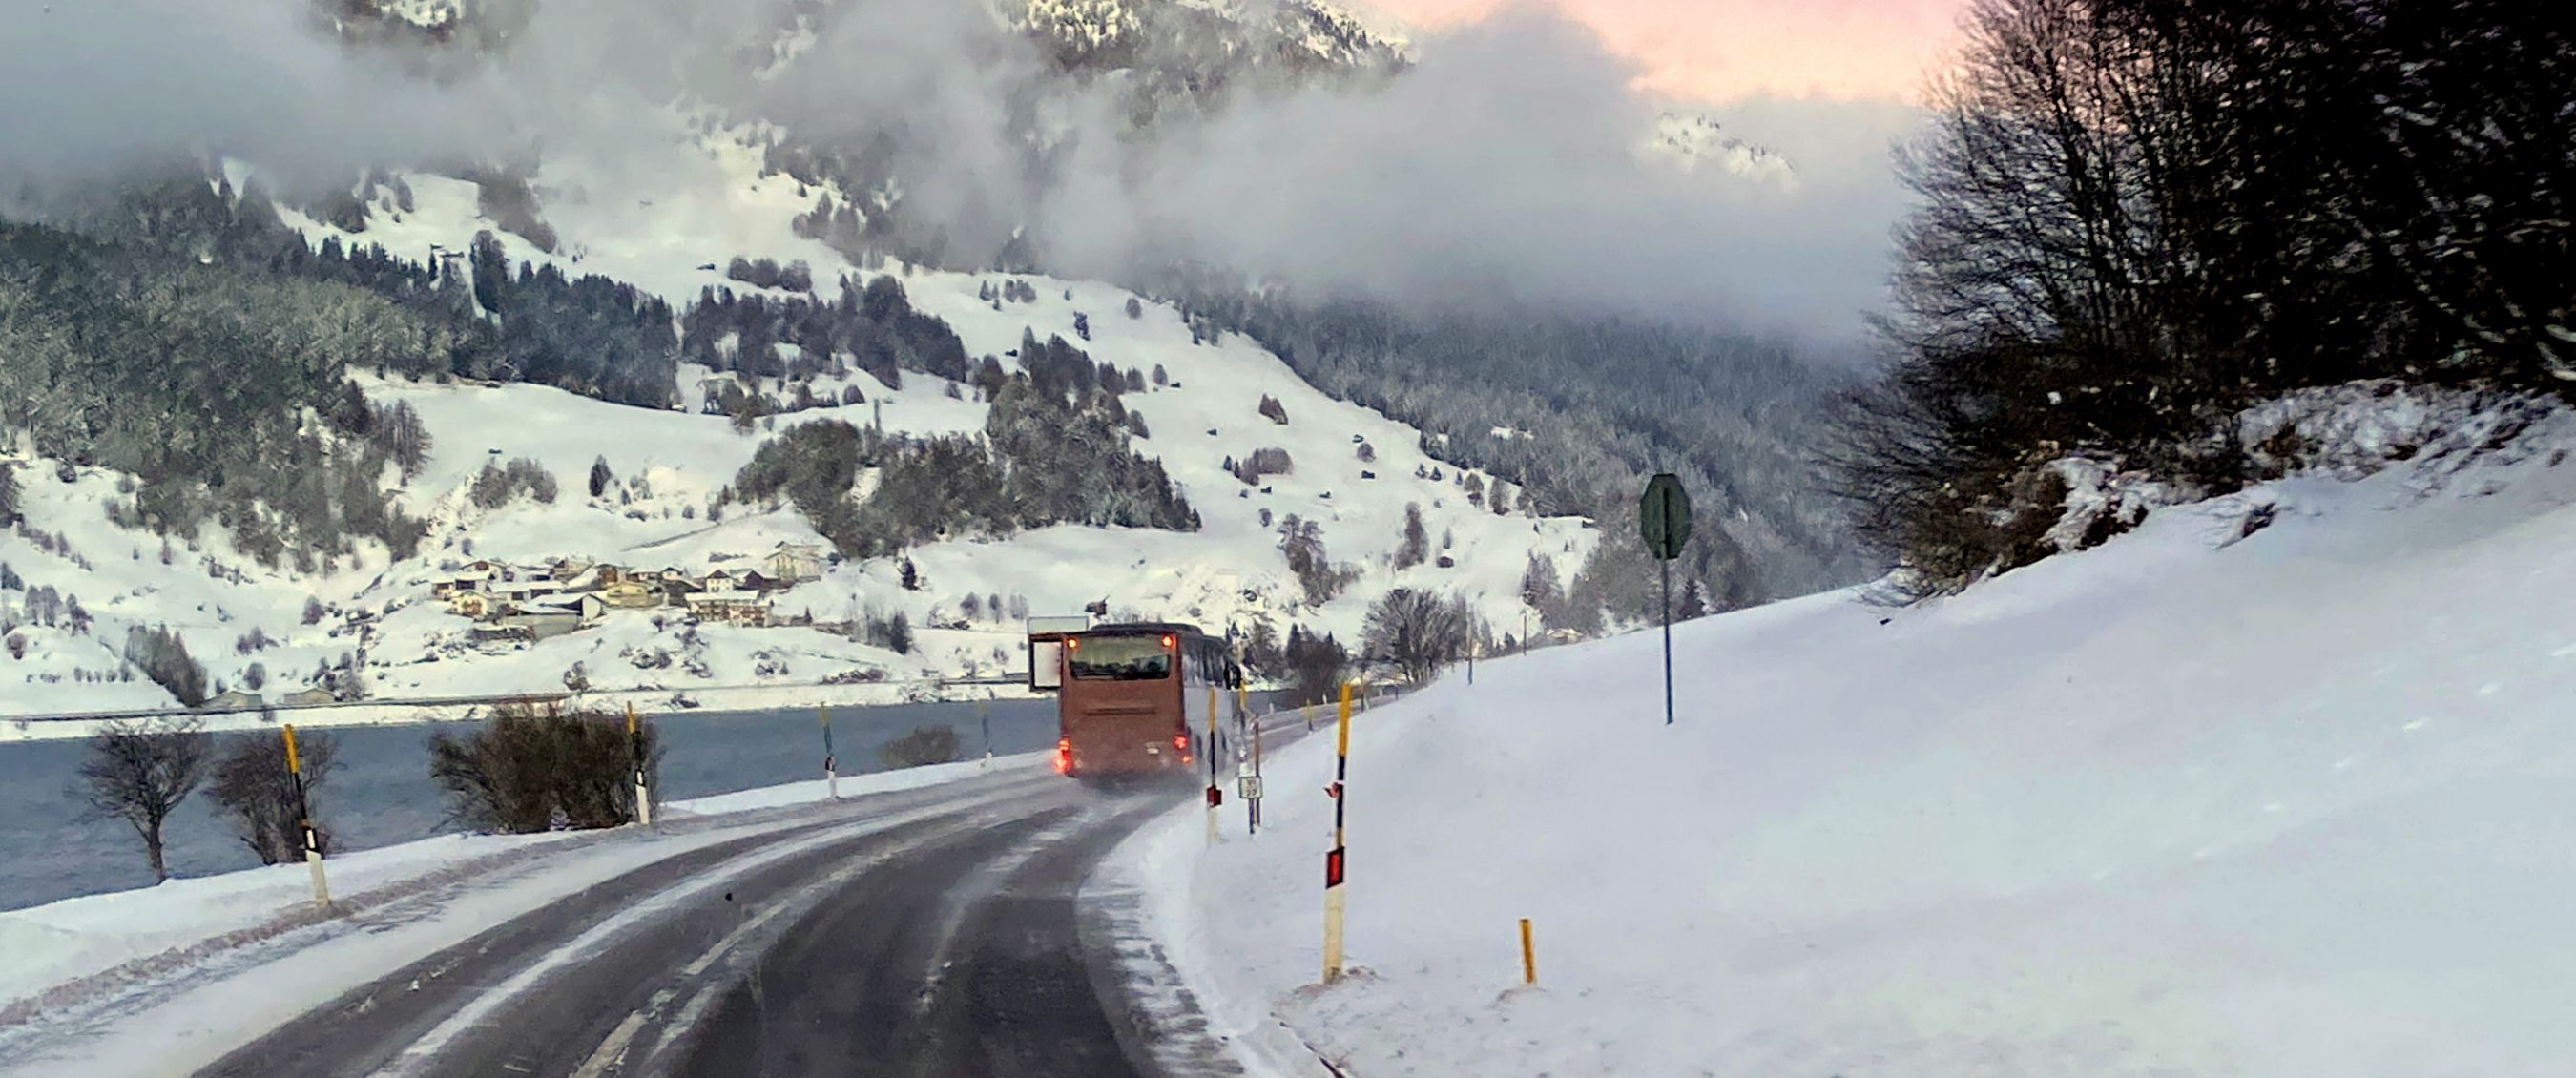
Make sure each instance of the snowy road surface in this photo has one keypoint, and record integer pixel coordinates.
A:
(934, 933)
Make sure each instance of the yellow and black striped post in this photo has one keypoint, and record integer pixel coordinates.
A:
(643, 788)
(1333, 860)
(304, 819)
(831, 766)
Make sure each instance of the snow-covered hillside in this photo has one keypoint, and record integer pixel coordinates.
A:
(1331, 32)
(2273, 786)
(664, 229)
(1691, 142)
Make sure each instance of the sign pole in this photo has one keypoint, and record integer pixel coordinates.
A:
(304, 819)
(831, 772)
(1668, 643)
(1663, 520)
(643, 789)
(1333, 860)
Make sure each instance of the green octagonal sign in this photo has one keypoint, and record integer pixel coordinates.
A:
(1664, 517)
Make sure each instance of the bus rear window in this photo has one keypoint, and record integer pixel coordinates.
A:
(1118, 658)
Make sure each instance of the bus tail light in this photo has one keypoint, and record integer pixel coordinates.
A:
(1063, 755)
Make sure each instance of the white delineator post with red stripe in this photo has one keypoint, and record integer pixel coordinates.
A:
(1333, 859)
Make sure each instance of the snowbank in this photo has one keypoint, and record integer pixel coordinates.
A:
(2280, 802)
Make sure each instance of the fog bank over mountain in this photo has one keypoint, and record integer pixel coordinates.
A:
(1502, 165)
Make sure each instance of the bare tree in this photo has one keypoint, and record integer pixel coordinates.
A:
(139, 771)
(252, 786)
(1415, 633)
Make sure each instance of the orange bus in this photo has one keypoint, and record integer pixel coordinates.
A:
(1134, 699)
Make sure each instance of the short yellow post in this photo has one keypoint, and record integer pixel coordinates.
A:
(304, 818)
(1529, 955)
(1334, 861)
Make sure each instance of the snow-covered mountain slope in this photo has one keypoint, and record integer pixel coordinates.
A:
(2198, 801)
(663, 229)
(1307, 31)
(1691, 142)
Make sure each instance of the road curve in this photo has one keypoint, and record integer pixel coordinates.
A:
(941, 943)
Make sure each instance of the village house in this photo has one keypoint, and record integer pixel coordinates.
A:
(471, 604)
(470, 578)
(795, 561)
(741, 580)
(632, 593)
(739, 607)
(517, 592)
(588, 606)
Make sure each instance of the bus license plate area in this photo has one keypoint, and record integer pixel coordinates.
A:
(1153, 748)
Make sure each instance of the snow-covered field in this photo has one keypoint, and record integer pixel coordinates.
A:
(2192, 803)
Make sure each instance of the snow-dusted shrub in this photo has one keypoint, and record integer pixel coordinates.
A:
(924, 746)
(2356, 429)
(251, 786)
(532, 769)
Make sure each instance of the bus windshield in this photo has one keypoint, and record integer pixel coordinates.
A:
(1118, 658)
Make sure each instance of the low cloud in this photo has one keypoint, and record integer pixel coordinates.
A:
(1501, 168)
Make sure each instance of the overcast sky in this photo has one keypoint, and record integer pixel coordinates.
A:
(1717, 50)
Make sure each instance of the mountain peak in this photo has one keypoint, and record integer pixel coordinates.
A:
(1692, 141)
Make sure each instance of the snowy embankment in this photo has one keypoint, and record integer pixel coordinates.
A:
(2287, 803)
(81, 948)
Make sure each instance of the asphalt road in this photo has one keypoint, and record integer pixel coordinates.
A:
(938, 943)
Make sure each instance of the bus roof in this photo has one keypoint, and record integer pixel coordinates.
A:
(1141, 628)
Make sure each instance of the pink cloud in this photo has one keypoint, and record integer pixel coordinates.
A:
(1723, 49)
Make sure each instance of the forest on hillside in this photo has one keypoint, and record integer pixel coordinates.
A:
(2140, 220)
